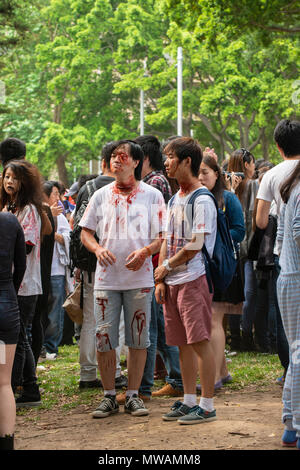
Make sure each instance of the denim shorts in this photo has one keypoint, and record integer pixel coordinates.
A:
(9, 315)
(136, 304)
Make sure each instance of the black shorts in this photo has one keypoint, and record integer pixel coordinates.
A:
(9, 315)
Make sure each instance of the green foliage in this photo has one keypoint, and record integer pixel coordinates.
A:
(74, 82)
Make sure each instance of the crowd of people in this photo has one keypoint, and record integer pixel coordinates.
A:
(138, 240)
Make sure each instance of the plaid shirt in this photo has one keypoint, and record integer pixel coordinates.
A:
(160, 182)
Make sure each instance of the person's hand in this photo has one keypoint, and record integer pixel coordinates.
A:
(210, 152)
(104, 256)
(160, 293)
(136, 259)
(56, 210)
(235, 181)
(160, 273)
(77, 273)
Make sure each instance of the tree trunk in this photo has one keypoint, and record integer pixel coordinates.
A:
(265, 146)
(62, 170)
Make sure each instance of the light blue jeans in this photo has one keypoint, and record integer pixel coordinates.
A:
(54, 330)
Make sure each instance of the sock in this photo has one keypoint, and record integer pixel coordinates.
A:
(129, 393)
(190, 399)
(207, 404)
(110, 392)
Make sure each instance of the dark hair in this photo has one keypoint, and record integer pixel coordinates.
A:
(49, 185)
(152, 149)
(107, 150)
(136, 153)
(185, 147)
(290, 183)
(236, 163)
(287, 137)
(84, 178)
(12, 149)
(219, 187)
(30, 191)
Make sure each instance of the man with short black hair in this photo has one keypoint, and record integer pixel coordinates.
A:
(127, 216)
(287, 139)
(181, 284)
(12, 149)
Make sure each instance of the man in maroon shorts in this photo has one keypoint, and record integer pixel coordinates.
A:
(181, 284)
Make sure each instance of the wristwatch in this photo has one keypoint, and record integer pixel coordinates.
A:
(166, 265)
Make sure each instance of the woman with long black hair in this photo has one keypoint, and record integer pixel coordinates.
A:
(231, 301)
(21, 194)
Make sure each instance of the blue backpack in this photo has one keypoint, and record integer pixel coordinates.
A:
(221, 268)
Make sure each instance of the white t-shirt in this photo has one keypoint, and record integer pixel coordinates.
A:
(269, 188)
(179, 234)
(30, 222)
(124, 224)
(59, 263)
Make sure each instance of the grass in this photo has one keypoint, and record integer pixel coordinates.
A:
(60, 379)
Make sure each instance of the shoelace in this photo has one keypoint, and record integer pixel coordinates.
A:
(135, 402)
(107, 403)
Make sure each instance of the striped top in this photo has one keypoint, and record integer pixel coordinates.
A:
(288, 234)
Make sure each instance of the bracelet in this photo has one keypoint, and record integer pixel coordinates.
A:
(158, 282)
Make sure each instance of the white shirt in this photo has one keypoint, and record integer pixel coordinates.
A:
(179, 234)
(31, 224)
(124, 224)
(60, 257)
(269, 188)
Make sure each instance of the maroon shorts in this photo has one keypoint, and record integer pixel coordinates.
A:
(187, 312)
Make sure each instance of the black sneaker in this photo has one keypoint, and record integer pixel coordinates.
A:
(28, 401)
(108, 406)
(121, 382)
(90, 384)
(135, 406)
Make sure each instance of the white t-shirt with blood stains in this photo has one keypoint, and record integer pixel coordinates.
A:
(179, 234)
(30, 222)
(124, 224)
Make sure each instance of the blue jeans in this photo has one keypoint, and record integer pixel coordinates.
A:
(169, 354)
(54, 331)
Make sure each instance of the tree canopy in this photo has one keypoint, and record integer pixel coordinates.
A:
(74, 82)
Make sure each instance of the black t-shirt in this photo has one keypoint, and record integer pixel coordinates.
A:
(12, 250)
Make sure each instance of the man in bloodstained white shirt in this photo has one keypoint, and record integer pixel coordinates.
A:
(127, 217)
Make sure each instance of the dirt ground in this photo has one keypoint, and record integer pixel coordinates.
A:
(248, 419)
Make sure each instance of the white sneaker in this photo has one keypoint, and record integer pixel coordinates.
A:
(51, 356)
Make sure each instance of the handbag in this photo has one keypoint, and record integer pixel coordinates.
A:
(73, 304)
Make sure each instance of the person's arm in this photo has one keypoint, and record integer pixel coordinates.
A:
(137, 258)
(280, 228)
(182, 257)
(234, 213)
(262, 214)
(296, 222)
(19, 259)
(104, 256)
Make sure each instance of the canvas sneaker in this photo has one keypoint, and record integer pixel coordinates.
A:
(178, 410)
(108, 406)
(197, 415)
(135, 406)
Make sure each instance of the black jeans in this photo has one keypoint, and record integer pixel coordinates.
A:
(23, 372)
